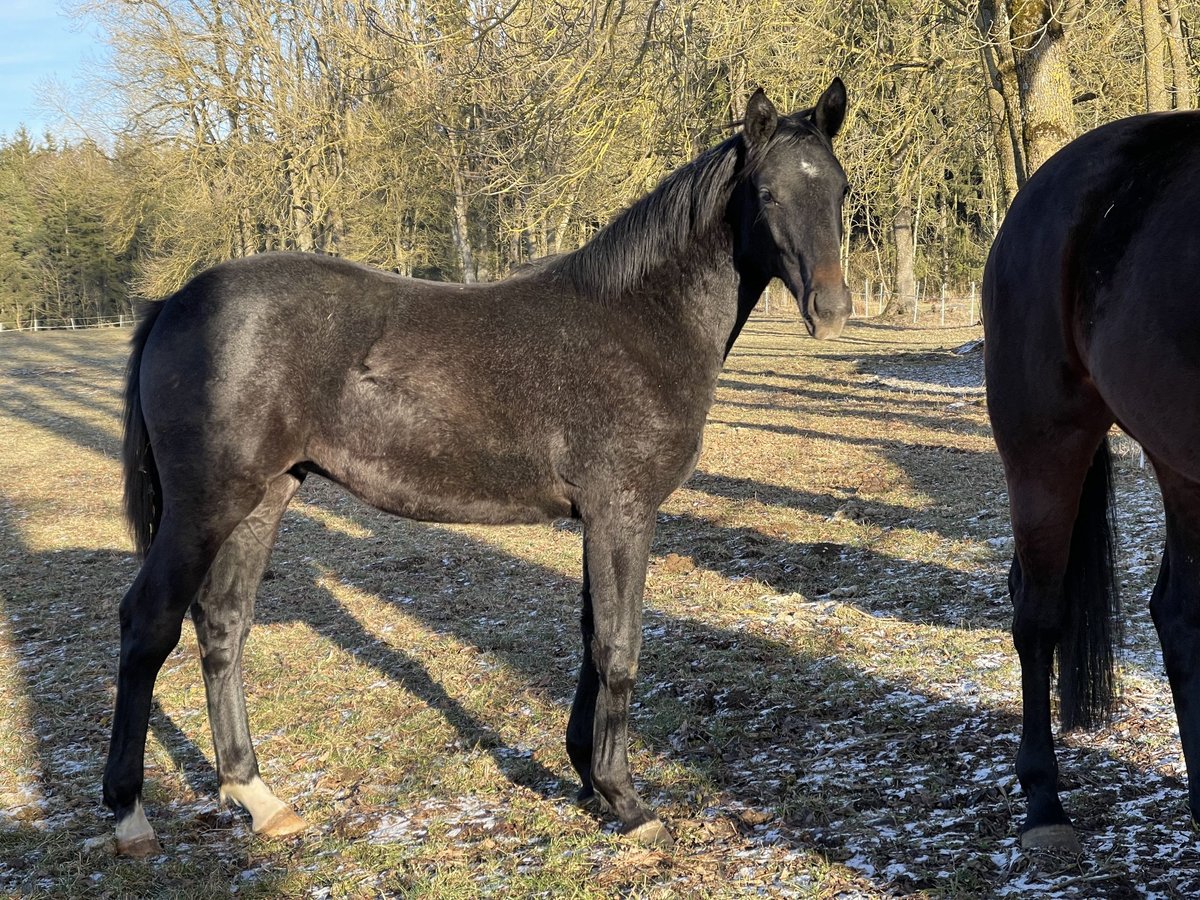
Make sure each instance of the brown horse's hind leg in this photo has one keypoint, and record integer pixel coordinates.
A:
(617, 548)
(1175, 607)
(1045, 486)
(151, 618)
(222, 613)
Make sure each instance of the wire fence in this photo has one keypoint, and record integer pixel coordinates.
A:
(932, 308)
(72, 323)
(943, 308)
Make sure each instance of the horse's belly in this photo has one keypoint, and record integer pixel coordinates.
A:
(451, 487)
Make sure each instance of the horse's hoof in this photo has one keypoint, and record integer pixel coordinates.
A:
(1059, 838)
(135, 836)
(651, 834)
(282, 824)
(139, 847)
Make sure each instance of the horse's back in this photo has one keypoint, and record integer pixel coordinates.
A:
(432, 400)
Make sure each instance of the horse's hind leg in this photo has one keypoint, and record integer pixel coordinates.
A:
(1175, 607)
(151, 619)
(1045, 485)
(222, 613)
(617, 548)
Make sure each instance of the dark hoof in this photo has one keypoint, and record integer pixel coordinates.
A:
(139, 848)
(1059, 838)
(651, 834)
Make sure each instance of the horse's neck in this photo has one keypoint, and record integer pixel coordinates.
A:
(698, 292)
(749, 290)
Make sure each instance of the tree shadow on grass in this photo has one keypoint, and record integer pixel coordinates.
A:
(907, 778)
(857, 767)
(763, 722)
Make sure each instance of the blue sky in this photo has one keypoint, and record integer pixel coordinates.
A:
(40, 45)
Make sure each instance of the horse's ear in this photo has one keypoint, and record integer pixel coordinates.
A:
(760, 120)
(830, 111)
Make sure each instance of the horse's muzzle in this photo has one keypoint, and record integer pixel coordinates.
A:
(827, 312)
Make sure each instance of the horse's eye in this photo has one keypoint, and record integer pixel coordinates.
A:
(765, 196)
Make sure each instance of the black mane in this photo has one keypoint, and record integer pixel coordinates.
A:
(685, 208)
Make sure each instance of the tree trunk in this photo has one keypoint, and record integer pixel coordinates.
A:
(1179, 58)
(1154, 58)
(1010, 180)
(906, 280)
(1039, 38)
(460, 230)
(1004, 99)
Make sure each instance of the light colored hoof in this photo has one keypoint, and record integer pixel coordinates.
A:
(135, 836)
(269, 815)
(1059, 838)
(282, 824)
(140, 847)
(651, 834)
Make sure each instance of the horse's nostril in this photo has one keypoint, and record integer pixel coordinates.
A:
(829, 303)
(821, 303)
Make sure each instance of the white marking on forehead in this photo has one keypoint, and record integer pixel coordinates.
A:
(807, 168)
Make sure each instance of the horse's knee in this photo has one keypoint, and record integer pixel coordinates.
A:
(148, 642)
(616, 662)
(221, 637)
(1180, 642)
(1014, 579)
(1033, 633)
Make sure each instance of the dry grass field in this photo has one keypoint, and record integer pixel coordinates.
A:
(827, 703)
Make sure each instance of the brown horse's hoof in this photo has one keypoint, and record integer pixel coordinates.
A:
(282, 824)
(1059, 838)
(651, 834)
(140, 847)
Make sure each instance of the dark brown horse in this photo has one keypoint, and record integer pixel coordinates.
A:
(576, 388)
(1092, 318)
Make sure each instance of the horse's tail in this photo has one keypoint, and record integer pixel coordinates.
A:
(143, 491)
(1087, 684)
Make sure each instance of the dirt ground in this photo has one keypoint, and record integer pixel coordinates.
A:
(827, 705)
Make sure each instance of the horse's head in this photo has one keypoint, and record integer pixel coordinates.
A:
(787, 209)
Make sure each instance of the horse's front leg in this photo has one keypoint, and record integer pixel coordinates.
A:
(583, 710)
(616, 547)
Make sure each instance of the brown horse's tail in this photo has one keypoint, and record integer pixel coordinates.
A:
(143, 492)
(1087, 684)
